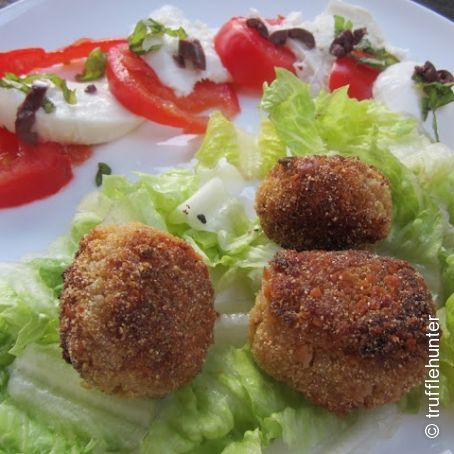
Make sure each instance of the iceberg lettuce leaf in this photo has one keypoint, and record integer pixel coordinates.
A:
(234, 407)
(53, 395)
(252, 156)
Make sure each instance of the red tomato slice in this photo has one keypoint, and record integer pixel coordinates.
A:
(360, 78)
(207, 94)
(138, 88)
(30, 172)
(249, 57)
(22, 61)
(77, 153)
(81, 49)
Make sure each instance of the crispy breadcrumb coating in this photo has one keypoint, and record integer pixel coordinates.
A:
(324, 202)
(347, 329)
(137, 311)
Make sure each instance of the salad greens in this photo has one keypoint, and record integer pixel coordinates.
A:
(252, 156)
(232, 406)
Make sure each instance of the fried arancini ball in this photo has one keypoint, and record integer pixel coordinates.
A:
(346, 328)
(137, 311)
(324, 202)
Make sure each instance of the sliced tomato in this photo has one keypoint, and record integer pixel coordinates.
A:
(249, 57)
(207, 94)
(81, 49)
(359, 77)
(30, 172)
(22, 61)
(77, 153)
(135, 85)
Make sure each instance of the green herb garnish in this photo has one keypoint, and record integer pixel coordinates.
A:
(376, 58)
(435, 95)
(94, 67)
(47, 104)
(23, 83)
(103, 169)
(148, 33)
(341, 24)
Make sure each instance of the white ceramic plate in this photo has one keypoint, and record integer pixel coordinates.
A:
(55, 23)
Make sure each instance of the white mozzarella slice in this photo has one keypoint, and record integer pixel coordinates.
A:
(182, 80)
(445, 119)
(395, 88)
(95, 118)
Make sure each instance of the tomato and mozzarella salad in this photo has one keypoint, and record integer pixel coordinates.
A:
(171, 70)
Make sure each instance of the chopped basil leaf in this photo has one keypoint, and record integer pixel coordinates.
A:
(68, 94)
(376, 58)
(147, 35)
(48, 105)
(103, 169)
(94, 67)
(26, 81)
(11, 81)
(435, 95)
(341, 24)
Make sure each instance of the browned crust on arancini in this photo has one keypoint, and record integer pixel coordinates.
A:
(137, 311)
(347, 329)
(324, 202)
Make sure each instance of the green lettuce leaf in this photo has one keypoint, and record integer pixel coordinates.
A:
(332, 121)
(49, 391)
(250, 444)
(233, 407)
(20, 433)
(28, 310)
(253, 157)
(433, 164)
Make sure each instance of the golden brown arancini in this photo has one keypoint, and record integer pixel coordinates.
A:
(137, 311)
(324, 202)
(347, 328)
